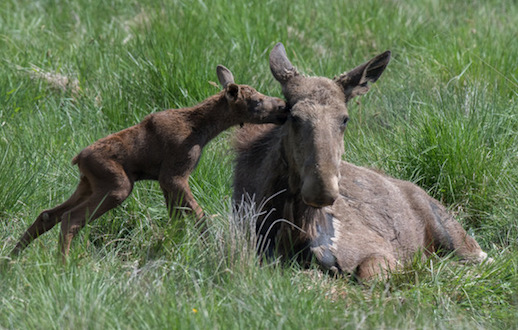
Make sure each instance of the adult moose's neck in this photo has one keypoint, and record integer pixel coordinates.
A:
(263, 173)
(261, 169)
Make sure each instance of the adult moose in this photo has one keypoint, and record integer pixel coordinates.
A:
(166, 146)
(352, 219)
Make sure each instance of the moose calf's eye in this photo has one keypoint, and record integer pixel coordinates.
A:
(254, 104)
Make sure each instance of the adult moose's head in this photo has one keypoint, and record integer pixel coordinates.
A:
(316, 125)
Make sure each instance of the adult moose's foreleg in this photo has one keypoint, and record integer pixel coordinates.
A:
(49, 218)
(374, 266)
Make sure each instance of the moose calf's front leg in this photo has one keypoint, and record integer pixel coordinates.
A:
(177, 193)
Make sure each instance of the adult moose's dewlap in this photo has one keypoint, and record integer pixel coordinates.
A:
(350, 218)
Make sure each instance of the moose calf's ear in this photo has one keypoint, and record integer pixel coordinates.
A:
(355, 82)
(232, 92)
(224, 75)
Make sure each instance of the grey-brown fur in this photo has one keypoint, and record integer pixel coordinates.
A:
(166, 146)
(352, 219)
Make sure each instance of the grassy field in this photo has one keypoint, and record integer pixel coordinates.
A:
(444, 115)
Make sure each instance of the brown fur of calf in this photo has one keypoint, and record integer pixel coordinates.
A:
(166, 146)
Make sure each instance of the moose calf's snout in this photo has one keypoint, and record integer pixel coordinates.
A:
(281, 109)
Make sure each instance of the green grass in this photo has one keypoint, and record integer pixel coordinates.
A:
(444, 115)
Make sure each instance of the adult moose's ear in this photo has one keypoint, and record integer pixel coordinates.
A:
(226, 79)
(281, 67)
(355, 82)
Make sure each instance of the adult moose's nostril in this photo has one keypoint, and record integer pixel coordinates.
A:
(318, 193)
(319, 201)
(328, 196)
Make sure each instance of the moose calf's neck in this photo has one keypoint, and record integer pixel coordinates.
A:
(211, 117)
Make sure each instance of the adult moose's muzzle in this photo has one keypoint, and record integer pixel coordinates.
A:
(319, 189)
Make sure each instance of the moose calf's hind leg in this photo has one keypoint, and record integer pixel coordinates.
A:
(99, 203)
(43, 223)
(49, 218)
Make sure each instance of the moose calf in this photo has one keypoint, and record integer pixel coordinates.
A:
(166, 146)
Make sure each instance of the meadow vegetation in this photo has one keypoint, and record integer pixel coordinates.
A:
(443, 115)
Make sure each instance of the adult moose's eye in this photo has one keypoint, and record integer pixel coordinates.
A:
(343, 124)
(294, 119)
(295, 122)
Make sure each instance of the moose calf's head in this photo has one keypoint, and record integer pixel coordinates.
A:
(250, 105)
(313, 145)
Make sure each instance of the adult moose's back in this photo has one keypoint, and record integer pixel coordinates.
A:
(352, 219)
